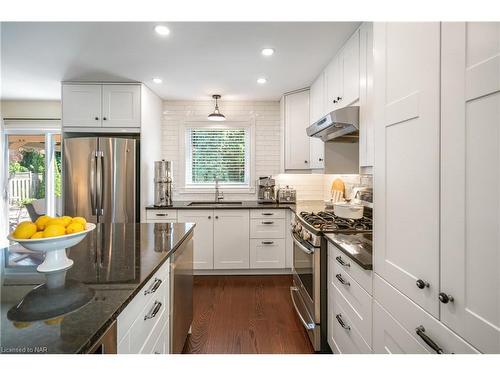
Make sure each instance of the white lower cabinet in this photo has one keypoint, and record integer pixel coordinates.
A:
(413, 318)
(145, 319)
(231, 239)
(267, 253)
(203, 239)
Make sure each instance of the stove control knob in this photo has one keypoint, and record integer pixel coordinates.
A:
(298, 228)
(306, 236)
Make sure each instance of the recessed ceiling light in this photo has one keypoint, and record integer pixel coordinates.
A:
(261, 80)
(162, 30)
(267, 51)
(157, 80)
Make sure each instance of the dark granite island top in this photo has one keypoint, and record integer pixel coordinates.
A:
(357, 246)
(114, 262)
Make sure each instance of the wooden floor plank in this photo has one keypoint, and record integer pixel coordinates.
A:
(245, 315)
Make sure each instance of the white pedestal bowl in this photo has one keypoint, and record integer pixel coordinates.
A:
(54, 248)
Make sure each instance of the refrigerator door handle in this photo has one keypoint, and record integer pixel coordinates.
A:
(92, 182)
(100, 182)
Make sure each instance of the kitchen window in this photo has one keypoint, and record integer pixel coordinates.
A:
(217, 152)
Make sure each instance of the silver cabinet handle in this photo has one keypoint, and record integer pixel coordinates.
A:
(341, 279)
(268, 222)
(341, 262)
(154, 287)
(161, 214)
(341, 322)
(154, 310)
(267, 242)
(420, 332)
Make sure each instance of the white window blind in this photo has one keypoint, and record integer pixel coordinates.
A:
(217, 152)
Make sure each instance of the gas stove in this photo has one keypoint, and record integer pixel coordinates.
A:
(311, 225)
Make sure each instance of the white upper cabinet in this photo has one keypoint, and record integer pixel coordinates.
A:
(342, 76)
(121, 105)
(366, 96)
(101, 105)
(296, 120)
(316, 111)
(407, 151)
(81, 105)
(203, 239)
(231, 239)
(470, 182)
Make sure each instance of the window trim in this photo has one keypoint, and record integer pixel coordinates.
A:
(184, 188)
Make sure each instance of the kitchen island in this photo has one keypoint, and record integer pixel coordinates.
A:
(112, 266)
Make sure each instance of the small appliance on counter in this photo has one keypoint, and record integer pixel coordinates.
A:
(287, 195)
(163, 183)
(266, 192)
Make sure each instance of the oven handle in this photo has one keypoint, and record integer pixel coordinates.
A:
(308, 326)
(302, 247)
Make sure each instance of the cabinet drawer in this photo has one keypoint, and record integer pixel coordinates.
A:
(411, 316)
(154, 312)
(134, 308)
(162, 346)
(161, 215)
(344, 339)
(362, 276)
(157, 339)
(267, 228)
(355, 301)
(267, 214)
(389, 337)
(267, 253)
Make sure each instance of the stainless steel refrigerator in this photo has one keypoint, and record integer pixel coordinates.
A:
(100, 179)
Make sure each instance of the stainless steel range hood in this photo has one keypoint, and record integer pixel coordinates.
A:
(341, 125)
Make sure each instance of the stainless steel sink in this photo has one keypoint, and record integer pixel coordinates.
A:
(212, 203)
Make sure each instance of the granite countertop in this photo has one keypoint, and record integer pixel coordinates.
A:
(113, 273)
(311, 205)
(357, 246)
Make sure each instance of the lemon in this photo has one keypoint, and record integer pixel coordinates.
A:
(21, 325)
(42, 221)
(54, 230)
(37, 235)
(23, 223)
(56, 221)
(74, 227)
(24, 230)
(51, 322)
(66, 220)
(79, 219)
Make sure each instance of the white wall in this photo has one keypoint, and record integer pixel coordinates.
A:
(265, 114)
(44, 109)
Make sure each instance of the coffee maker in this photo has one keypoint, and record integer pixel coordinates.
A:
(163, 183)
(266, 193)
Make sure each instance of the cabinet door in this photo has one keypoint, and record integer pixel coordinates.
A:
(406, 182)
(333, 81)
(121, 106)
(296, 138)
(470, 172)
(366, 95)
(350, 71)
(231, 239)
(81, 105)
(203, 240)
(316, 145)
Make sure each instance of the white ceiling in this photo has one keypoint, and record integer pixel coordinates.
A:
(196, 60)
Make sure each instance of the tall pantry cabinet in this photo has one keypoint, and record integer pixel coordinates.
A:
(436, 184)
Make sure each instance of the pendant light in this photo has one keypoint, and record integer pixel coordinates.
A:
(216, 115)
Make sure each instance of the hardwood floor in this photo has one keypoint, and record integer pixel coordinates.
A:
(247, 315)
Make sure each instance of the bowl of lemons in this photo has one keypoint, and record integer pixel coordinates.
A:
(52, 235)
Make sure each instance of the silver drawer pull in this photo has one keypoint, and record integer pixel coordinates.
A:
(341, 262)
(154, 310)
(268, 222)
(341, 279)
(420, 332)
(154, 287)
(161, 214)
(341, 322)
(267, 242)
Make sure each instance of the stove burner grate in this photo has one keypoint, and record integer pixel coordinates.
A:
(328, 221)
